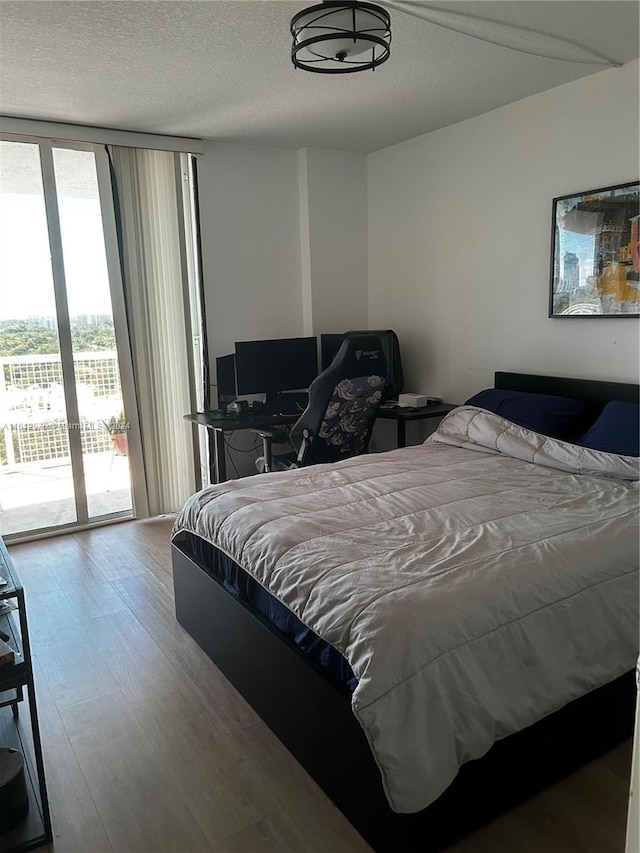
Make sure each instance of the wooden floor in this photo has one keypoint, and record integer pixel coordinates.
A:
(148, 748)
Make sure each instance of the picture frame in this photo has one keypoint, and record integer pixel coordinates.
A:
(595, 253)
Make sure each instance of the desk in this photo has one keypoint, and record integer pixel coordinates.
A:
(219, 425)
(401, 416)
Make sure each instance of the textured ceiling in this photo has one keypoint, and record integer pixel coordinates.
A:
(221, 70)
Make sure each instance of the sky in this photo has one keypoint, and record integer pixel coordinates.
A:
(26, 284)
(581, 245)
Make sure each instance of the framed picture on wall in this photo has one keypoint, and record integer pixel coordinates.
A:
(595, 253)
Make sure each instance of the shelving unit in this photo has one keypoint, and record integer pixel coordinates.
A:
(16, 680)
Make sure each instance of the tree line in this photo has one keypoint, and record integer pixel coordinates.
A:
(29, 337)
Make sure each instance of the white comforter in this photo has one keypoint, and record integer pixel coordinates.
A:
(471, 591)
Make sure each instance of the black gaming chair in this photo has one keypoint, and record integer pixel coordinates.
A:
(343, 403)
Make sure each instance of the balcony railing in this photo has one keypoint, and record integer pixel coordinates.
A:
(33, 412)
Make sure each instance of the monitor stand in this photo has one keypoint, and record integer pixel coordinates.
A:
(272, 401)
(285, 402)
(290, 397)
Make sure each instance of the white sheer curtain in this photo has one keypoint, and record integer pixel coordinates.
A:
(153, 274)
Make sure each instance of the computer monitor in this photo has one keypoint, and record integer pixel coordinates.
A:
(226, 377)
(269, 367)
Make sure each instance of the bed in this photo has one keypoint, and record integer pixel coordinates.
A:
(355, 623)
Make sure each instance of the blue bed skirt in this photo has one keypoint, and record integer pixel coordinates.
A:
(242, 586)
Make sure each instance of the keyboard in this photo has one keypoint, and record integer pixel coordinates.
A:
(283, 407)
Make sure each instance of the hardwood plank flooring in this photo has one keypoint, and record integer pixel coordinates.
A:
(148, 748)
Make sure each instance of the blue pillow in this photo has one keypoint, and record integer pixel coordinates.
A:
(558, 417)
(617, 430)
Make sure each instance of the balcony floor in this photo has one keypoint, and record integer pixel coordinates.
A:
(35, 497)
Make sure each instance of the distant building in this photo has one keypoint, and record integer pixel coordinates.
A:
(45, 322)
(92, 319)
(571, 274)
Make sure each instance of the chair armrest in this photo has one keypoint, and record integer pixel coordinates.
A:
(270, 436)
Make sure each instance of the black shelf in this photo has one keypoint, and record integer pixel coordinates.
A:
(12, 675)
(31, 832)
(21, 732)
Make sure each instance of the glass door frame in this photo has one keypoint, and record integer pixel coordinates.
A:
(136, 463)
(193, 308)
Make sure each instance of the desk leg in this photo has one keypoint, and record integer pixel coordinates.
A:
(220, 457)
(402, 433)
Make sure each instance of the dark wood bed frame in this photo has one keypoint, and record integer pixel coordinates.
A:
(312, 715)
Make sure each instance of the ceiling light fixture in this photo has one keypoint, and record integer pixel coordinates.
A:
(340, 37)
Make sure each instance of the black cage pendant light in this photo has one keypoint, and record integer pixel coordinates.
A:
(340, 37)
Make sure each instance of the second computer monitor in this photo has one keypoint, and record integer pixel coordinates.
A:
(269, 367)
(329, 346)
(226, 375)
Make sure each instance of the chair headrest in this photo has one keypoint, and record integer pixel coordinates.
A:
(360, 355)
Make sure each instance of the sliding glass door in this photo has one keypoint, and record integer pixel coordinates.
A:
(69, 441)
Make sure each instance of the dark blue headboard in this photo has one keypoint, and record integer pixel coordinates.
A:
(591, 391)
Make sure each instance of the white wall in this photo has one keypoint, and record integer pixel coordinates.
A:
(633, 818)
(333, 220)
(251, 247)
(249, 221)
(284, 241)
(459, 225)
